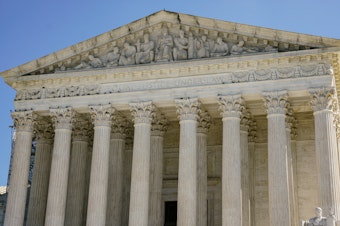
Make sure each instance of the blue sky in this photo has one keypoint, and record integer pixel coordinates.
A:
(32, 29)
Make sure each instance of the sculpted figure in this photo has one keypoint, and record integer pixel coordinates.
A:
(181, 46)
(93, 62)
(127, 56)
(164, 46)
(270, 48)
(145, 51)
(220, 48)
(112, 58)
(191, 47)
(318, 220)
(202, 46)
(237, 49)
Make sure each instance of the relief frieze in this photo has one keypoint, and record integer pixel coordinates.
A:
(321, 69)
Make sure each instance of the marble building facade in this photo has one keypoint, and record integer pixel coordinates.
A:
(237, 124)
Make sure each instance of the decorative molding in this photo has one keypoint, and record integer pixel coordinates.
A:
(187, 108)
(323, 99)
(276, 102)
(218, 77)
(101, 115)
(62, 118)
(142, 112)
(231, 106)
(24, 120)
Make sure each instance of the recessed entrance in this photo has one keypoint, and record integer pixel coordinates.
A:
(170, 213)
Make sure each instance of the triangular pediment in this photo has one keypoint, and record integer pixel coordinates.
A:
(169, 37)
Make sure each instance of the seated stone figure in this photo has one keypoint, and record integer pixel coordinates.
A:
(202, 47)
(111, 59)
(164, 46)
(145, 51)
(318, 220)
(181, 47)
(93, 62)
(127, 56)
(220, 48)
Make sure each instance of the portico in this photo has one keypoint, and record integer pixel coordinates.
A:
(207, 132)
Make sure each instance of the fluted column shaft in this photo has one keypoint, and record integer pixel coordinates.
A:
(245, 173)
(140, 178)
(251, 158)
(231, 107)
(57, 189)
(116, 173)
(77, 174)
(187, 110)
(41, 173)
(159, 125)
(15, 209)
(202, 168)
(323, 101)
(278, 180)
(97, 199)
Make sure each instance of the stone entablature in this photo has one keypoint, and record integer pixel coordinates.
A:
(299, 71)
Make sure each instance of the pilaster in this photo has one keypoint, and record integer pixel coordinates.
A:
(158, 128)
(77, 174)
(231, 108)
(116, 171)
(204, 122)
(41, 173)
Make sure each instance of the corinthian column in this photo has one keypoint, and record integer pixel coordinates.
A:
(158, 128)
(77, 174)
(15, 210)
(41, 173)
(203, 126)
(140, 178)
(57, 190)
(187, 109)
(323, 101)
(245, 169)
(97, 200)
(231, 107)
(279, 211)
(116, 172)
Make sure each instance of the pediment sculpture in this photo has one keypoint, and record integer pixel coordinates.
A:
(161, 45)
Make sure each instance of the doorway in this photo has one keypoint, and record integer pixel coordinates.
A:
(170, 213)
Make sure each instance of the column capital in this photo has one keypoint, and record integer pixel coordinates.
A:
(43, 130)
(187, 108)
(101, 115)
(323, 98)
(276, 102)
(81, 128)
(245, 120)
(62, 118)
(204, 121)
(159, 125)
(119, 127)
(231, 105)
(142, 112)
(24, 120)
